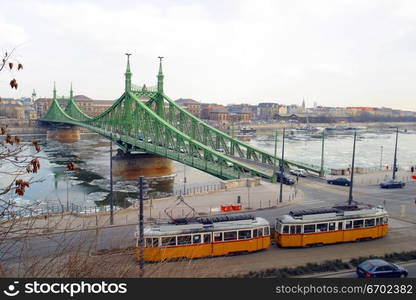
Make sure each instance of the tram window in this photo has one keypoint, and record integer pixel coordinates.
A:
(254, 233)
(292, 229)
(331, 226)
(244, 234)
(230, 236)
(339, 225)
(196, 239)
(298, 228)
(348, 224)
(266, 231)
(369, 222)
(278, 226)
(385, 220)
(207, 238)
(169, 241)
(217, 236)
(378, 221)
(155, 242)
(260, 231)
(309, 228)
(358, 223)
(148, 242)
(285, 229)
(184, 240)
(322, 227)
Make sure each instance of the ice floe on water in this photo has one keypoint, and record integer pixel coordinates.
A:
(97, 196)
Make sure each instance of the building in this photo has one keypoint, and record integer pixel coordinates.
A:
(219, 115)
(100, 106)
(42, 105)
(268, 110)
(193, 106)
(11, 108)
(206, 110)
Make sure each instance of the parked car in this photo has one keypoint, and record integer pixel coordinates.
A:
(229, 164)
(392, 184)
(286, 178)
(220, 150)
(378, 268)
(298, 172)
(339, 181)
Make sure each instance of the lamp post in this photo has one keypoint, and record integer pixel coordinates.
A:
(381, 157)
(395, 155)
(142, 188)
(282, 167)
(322, 173)
(111, 185)
(352, 171)
(274, 178)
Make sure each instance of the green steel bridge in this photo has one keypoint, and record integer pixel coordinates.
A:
(147, 120)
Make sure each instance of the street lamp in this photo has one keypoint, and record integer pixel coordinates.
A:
(381, 157)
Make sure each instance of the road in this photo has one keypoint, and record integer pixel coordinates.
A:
(410, 267)
(317, 194)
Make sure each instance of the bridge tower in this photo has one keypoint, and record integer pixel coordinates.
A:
(127, 75)
(54, 90)
(160, 107)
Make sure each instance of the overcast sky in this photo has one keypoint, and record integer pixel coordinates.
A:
(336, 53)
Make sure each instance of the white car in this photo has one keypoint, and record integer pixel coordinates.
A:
(298, 172)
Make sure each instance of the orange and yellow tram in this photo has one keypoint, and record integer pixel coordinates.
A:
(329, 226)
(204, 237)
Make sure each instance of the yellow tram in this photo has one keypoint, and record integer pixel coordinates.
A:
(204, 237)
(331, 225)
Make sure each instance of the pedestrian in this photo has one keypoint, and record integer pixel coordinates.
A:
(297, 178)
(412, 169)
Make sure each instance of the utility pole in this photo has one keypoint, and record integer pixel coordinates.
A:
(184, 179)
(352, 171)
(274, 178)
(381, 157)
(395, 155)
(322, 173)
(111, 185)
(141, 231)
(282, 167)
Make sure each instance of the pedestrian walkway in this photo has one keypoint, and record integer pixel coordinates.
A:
(262, 196)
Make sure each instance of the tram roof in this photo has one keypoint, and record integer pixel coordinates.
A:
(194, 227)
(331, 214)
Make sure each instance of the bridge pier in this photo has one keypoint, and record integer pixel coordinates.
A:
(64, 134)
(130, 166)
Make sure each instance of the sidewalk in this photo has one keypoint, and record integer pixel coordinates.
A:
(375, 178)
(252, 198)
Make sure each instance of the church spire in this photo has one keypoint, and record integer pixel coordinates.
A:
(127, 75)
(160, 76)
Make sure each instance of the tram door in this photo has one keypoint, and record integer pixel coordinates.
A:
(259, 233)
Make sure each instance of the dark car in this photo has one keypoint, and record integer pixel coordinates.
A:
(286, 179)
(378, 268)
(392, 184)
(339, 181)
